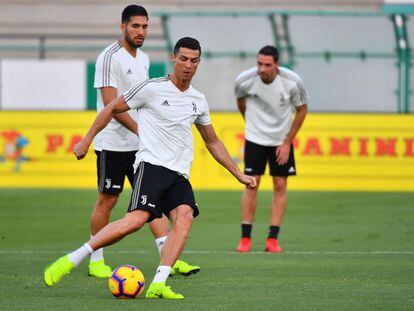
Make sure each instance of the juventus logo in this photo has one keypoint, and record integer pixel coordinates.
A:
(143, 199)
(194, 107)
(107, 183)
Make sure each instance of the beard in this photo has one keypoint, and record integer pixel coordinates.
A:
(132, 43)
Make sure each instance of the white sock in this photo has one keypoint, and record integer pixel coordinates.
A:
(97, 255)
(160, 243)
(80, 254)
(162, 274)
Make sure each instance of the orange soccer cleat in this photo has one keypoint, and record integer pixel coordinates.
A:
(245, 245)
(272, 246)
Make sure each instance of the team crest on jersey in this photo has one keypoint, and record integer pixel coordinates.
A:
(143, 199)
(282, 100)
(194, 107)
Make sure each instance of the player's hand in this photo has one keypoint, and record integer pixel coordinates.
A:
(282, 154)
(80, 150)
(249, 181)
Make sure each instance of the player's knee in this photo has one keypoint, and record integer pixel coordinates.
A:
(132, 224)
(106, 202)
(280, 184)
(251, 192)
(185, 219)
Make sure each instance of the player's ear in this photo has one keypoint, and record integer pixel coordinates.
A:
(172, 57)
(122, 27)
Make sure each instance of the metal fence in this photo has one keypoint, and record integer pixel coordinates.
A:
(350, 61)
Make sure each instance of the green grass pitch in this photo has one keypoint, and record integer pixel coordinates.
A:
(342, 251)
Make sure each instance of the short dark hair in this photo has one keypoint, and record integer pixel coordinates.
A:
(189, 43)
(133, 10)
(270, 50)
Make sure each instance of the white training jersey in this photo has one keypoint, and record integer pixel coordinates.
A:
(165, 118)
(116, 67)
(270, 107)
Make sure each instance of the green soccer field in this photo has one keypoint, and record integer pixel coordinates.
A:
(342, 251)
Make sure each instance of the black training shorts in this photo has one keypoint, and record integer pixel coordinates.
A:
(112, 167)
(257, 156)
(159, 190)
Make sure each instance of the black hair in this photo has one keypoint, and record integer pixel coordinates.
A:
(189, 43)
(269, 50)
(133, 10)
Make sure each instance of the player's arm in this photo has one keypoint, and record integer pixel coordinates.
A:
(116, 106)
(241, 104)
(219, 152)
(282, 152)
(109, 94)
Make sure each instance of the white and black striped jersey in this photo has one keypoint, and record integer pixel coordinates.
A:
(116, 67)
(165, 118)
(270, 107)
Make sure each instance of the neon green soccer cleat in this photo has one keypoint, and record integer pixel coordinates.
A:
(57, 270)
(160, 290)
(183, 268)
(98, 269)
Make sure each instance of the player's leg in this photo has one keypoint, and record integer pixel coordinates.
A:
(110, 234)
(277, 211)
(160, 229)
(280, 175)
(99, 219)
(179, 203)
(254, 164)
(111, 175)
(143, 206)
(182, 219)
(248, 206)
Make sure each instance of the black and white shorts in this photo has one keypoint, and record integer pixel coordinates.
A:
(112, 167)
(159, 190)
(256, 157)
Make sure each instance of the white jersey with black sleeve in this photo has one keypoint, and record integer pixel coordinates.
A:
(116, 67)
(165, 118)
(270, 107)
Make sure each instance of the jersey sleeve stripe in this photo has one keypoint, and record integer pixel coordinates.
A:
(290, 75)
(107, 64)
(243, 77)
(135, 89)
(303, 95)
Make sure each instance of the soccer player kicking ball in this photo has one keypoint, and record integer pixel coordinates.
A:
(119, 67)
(167, 109)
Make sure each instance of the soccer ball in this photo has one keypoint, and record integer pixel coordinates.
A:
(126, 282)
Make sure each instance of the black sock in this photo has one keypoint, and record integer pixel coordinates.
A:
(273, 232)
(246, 230)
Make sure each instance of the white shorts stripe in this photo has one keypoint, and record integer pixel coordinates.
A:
(137, 186)
(102, 169)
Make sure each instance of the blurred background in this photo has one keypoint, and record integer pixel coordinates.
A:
(354, 56)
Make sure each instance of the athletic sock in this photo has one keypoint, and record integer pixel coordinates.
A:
(246, 229)
(162, 274)
(273, 232)
(97, 255)
(160, 243)
(80, 254)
